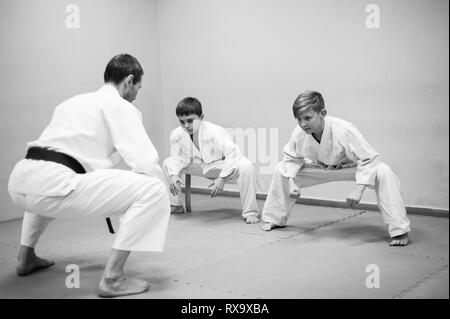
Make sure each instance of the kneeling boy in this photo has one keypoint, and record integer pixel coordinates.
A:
(201, 148)
(325, 149)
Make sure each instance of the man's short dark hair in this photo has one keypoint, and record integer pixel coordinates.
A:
(121, 66)
(189, 106)
(306, 101)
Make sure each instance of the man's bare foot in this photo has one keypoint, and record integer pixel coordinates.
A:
(270, 226)
(401, 240)
(121, 286)
(177, 209)
(29, 262)
(252, 219)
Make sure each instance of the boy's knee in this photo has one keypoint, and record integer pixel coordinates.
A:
(245, 165)
(383, 170)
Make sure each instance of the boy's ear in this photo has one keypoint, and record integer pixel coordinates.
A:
(202, 116)
(323, 112)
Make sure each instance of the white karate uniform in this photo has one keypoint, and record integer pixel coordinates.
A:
(341, 144)
(217, 156)
(101, 130)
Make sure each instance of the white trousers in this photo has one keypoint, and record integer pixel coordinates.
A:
(142, 202)
(244, 175)
(279, 204)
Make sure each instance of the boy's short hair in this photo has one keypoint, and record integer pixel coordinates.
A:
(121, 66)
(308, 100)
(189, 106)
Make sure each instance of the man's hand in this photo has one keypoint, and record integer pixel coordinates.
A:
(294, 190)
(175, 184)
(356, 195)
(218, 185)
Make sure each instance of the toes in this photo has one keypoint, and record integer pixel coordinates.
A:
(398, 243)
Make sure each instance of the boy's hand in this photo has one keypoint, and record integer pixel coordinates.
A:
(218, 184)
(319, 164)
(355, 197)
(175, 184)
(339, 166)
(294, 190)
(332, 167)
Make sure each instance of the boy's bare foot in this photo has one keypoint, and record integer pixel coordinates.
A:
(177, 209)
(29, 262)
(270, 226)
(401, 240)
(251, 219)
(121, 286)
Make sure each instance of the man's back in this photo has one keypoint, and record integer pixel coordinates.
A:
(79, 127)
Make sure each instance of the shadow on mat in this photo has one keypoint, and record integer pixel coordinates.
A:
(352, 234)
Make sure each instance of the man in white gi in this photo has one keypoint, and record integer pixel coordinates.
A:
(325, 149)
(69, 173)
(201, 148)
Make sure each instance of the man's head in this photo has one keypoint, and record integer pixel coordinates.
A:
(125, 73)
(309, 110)
(190, 113)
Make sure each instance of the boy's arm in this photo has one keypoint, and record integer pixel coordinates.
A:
(292, 160)
(230, 151)
(178, 158)
(359, 151)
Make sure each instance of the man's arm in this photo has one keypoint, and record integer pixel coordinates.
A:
(130, 139)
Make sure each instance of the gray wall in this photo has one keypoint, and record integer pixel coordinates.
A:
(246, 60)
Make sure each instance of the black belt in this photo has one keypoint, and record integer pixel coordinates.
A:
(40, 153)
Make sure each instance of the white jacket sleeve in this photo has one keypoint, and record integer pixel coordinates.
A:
(179, 157)
(359, 151)
(230, 151)
(130, 139)
(292, 159)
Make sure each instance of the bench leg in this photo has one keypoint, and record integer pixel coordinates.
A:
(187, 193)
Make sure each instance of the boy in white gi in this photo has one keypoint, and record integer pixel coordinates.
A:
(69, 173)
(201, 148)
(325, 149)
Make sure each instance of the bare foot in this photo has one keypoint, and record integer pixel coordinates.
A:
(121, 286)
(252, 219)
(270, 226)
(401, 240)
(177, 209)
(32, 263)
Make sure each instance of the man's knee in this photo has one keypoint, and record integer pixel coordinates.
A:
(154, 189)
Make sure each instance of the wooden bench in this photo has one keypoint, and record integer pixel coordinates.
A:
(187, 192)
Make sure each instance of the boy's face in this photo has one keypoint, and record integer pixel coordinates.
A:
(311, 121)
(190, 123)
